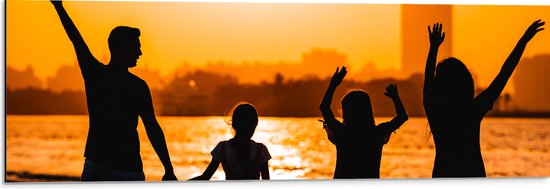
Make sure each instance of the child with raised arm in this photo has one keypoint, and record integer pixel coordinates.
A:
(241, 157)
(358, 140)
(454, 114)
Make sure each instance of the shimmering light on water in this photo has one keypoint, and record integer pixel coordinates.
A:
(298, 146)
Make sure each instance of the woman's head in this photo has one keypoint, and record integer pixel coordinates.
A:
(357, 109)
(244, 119)
(453, 81)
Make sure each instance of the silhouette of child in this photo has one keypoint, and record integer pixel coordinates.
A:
(358, 141)
(241, 157)
(454, 114)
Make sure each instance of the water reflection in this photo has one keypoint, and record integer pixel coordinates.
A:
(299, 148)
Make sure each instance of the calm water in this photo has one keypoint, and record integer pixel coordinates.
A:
(54, 145)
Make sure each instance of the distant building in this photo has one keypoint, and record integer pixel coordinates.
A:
(532, 84)
(16, 79)
(414, 34)
(67, 77)
(317, 62)
(323, 59)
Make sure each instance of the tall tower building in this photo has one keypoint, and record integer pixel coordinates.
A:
(414, 34)
(532, 84)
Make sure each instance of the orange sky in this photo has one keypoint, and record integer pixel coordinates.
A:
(173, 33)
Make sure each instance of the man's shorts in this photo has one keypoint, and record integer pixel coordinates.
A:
(96, 172)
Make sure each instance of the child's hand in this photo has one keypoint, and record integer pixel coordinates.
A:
(391, 91)
(338, 76)
(436, 38)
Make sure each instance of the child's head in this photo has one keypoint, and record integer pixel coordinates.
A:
(357, 109)
(244, 120)
(453, 81)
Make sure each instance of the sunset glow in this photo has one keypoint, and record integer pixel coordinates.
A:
(179, 33)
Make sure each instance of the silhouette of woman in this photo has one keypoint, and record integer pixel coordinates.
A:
(241, 157)
(358, 141)
(454, 114)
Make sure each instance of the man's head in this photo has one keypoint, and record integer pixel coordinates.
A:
(125, 46)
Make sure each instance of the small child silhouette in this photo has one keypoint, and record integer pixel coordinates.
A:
(241, 157)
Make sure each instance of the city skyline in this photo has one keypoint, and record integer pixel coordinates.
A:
(188, 83)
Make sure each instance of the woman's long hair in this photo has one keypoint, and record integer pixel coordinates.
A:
(454, 85)
(453, 82)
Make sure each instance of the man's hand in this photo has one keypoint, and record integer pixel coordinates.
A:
(169, 175)
(56, 2)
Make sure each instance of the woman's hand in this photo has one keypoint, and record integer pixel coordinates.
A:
(436, 37)
(533, 29)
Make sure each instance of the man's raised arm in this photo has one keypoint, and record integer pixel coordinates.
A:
(85, 57)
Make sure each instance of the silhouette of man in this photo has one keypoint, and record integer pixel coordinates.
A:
(115, 98)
